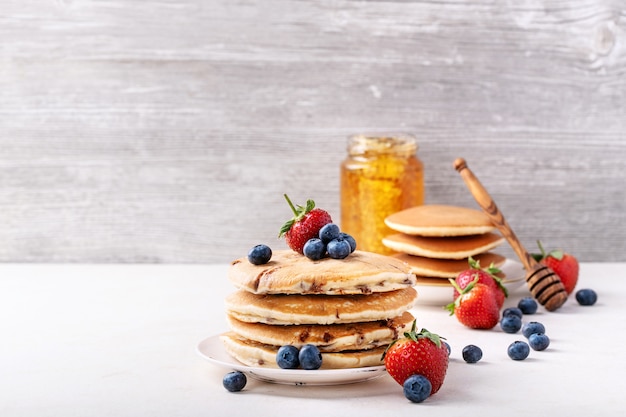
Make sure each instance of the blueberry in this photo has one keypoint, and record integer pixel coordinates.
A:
(586, 297)
(515, 311)
(447, 345)
(287, 357)
(310, 357)
(259, 255)
(417, 388)
(338, 248)
(528, 305)
(511, 323)
(314, 249)
(348, 238)
(472, 354)
(329, 232)
(532, 327)
(539, 341)
(518, 350)
(234, 381)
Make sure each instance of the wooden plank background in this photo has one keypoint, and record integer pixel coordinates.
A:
(168, 130)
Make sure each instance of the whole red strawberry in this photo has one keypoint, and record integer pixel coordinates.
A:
(563, 264)
(305, 224)
(485, 276)
(417, 353)
(476, 306)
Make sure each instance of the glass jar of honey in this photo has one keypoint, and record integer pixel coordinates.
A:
(380, 176)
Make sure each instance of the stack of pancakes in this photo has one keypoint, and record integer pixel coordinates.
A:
(437, 240)
(351, 308)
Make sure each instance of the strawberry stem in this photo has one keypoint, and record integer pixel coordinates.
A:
(293, 208)
(298, 213)
(451, 306)
(473, 263)
(543, 252)
(414, 336)
(557, 254)
(433, 337)
(491, 270)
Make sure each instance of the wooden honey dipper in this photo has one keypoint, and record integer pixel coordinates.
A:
(543, 283)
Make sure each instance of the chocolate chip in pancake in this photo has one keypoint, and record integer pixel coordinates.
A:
(318, 309)
(288, 272)
(329, 337)
(257, 354)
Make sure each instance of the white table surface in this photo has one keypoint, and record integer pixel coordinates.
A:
(120, 340)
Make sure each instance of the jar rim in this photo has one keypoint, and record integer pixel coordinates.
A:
(382, 143)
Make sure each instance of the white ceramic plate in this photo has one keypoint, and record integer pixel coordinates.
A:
(439, 292)
(212, 349)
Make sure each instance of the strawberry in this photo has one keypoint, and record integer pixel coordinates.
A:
(476, 306)
(485, 276)
(305, 224)
(417, 354)
(563, 264)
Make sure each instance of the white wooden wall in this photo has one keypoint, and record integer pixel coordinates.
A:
(168, 130)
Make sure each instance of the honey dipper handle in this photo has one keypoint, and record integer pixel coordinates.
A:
(485, 201)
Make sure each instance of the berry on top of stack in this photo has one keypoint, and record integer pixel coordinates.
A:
(346, 306)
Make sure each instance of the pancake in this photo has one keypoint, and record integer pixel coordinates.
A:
(318, 309)
(440, 221)
(289, 272)
(455, 247)
(256, 354)
(328, 338)
(447, 268)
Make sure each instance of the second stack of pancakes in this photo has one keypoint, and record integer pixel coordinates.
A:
(351, 309)
(437, 240)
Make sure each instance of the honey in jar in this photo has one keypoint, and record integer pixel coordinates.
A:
(381, 176)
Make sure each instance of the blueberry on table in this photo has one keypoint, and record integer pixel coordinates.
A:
(417, 388)
(447, 345)
(287, 357)
(515, 311)
(511, 323)
(234, 381)
(338, 248)
(586, 297)
(310, 357)
(528, 305)
(539, 341)
(472, 353)
(532, 327)
(314, 249)
(518, 350)
(329, 232)
(260, 254)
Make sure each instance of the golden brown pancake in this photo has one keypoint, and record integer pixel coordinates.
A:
(440, 220)
(434, 281)
(329, 337)
(318, 309)
(454, 247)
(256, 354)
(289, 272)
(447, 268)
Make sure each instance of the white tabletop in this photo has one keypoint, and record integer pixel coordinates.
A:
(120, 340)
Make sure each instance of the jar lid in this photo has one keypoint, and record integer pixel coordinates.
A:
(382, 143)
